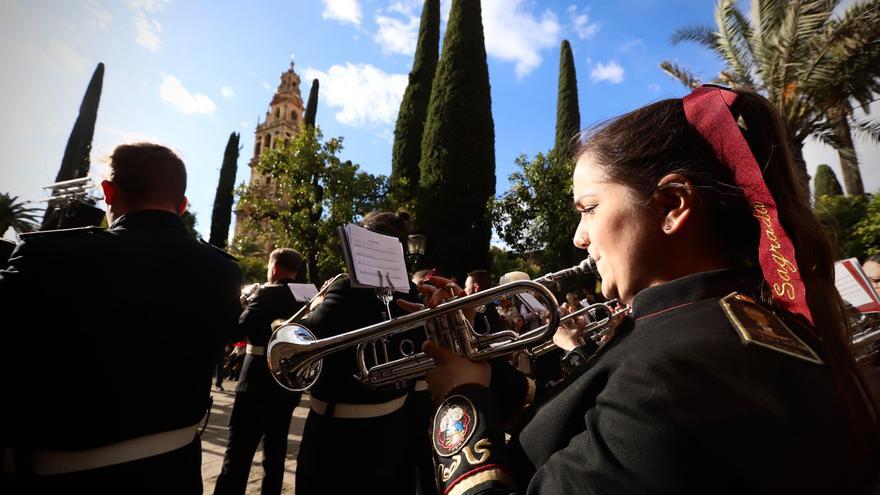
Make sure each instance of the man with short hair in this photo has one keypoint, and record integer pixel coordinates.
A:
(94, 314)
(262, 408)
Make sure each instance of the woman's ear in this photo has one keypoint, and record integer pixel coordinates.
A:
(675, 196)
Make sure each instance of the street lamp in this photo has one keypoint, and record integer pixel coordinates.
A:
(415, 245)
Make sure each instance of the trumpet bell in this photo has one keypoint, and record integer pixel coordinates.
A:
(286, 360)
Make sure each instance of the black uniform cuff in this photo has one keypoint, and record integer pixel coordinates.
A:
(468, 441)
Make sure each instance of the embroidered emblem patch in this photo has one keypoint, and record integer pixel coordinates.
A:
(454, 424)
(757, 325)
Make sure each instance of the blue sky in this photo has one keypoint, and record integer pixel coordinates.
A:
(187, 73)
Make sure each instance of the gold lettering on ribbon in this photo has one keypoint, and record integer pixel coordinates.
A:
(446, 472)
(481, 448)
(783, 265)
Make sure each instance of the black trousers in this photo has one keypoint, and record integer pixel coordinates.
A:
(178, 471)
(420, 412)
(256, 416)
(363, 456)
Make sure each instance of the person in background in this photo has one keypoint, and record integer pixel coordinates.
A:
(356, 438)
(871, 267)
(262, 408)
(111, 297)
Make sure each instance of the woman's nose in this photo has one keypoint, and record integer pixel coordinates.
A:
(581, 240)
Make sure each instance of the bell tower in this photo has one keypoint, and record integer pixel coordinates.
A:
(283, 120)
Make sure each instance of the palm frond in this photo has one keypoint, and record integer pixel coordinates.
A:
(703, 35)
(732, 41)
(683, 75)
(866, 128)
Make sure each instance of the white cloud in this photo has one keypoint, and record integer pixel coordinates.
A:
(516, 35)
(244, 125)
(611, 72)
(629, 45)
(344, 11)
(267, 87)
(227, 92)
(654, 87)
(365, 95)
(147, 5)
(66, 57)
(396, 36)
(99, 15)
(148, 31)
(580, 23)
(172, 92)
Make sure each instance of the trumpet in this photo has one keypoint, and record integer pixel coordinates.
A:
(595, 330)
(295, 354)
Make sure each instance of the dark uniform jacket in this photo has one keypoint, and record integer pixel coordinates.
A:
(93, 316)
(674, 403)
(344, 309)
(270, 303)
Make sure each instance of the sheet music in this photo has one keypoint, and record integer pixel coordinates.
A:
(854, 287)
(303, 292)
(370, 255)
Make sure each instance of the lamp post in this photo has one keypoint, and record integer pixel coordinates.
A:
(415, 245)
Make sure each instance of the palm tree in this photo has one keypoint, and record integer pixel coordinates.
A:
(814, 66)
(17, 215)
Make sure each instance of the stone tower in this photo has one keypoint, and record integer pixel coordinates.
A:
(284, 119)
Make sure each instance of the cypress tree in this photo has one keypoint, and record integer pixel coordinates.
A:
(221, 216)
(75, 163)
(457, 168)
(825, 183)
(312, 105)
(407, 151)
(568, 116)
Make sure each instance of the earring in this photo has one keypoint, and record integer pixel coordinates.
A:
(667, 227)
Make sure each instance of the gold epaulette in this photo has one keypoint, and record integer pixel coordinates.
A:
(757, 325)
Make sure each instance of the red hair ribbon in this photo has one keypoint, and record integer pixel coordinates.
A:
(709, 110)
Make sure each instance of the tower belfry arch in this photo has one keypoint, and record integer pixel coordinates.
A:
(283, 121)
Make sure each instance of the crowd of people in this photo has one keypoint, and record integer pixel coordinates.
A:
(727, 369)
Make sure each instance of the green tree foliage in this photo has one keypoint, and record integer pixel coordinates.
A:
(811, 64)
(312, 105)
(76, 162)
(408, 130)
(568, 115)
(867, 230)
(190, 221)
(840, 215)
(221, 216)
(17, 214)
(504, 261)
(535, 215)
(825, 183)
(457, 168)
(305, 170)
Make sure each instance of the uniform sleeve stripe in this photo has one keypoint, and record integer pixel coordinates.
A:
(476, 477)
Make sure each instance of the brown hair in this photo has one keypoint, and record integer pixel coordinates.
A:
(148, 173)
(482, 278)
(286, 258)
(385, 222)
(641, 147)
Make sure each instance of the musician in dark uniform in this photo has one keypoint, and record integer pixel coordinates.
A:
(730, 375)
(88, 313)
(262, 408)
(354, 439)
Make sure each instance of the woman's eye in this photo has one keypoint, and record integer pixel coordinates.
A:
(587, 210)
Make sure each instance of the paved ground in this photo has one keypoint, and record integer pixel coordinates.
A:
(214, 443)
